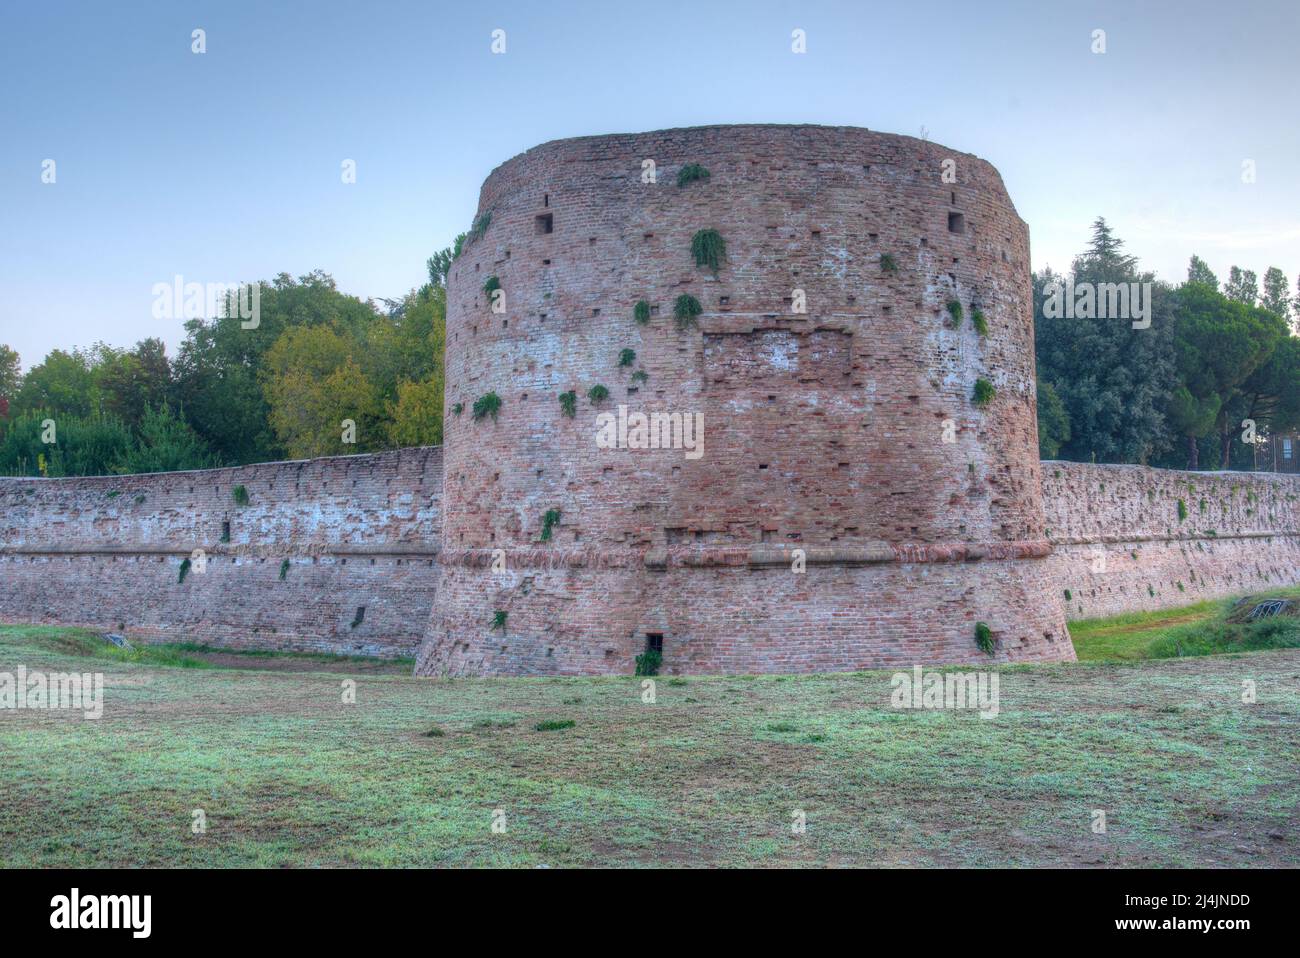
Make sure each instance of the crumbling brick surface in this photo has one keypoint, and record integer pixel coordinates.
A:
(823, 429)
(106, 552)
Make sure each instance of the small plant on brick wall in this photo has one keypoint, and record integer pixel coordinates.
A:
(690, 173)
(284, 569)
(549, 521)
(240, 495)
(709, 249)
(499, 620)
(569, 403)
(489, 404)
(685, 311)
(983, 393)
(185, 570)
(457, 409)
(979, 321)
(984, 638)
(640, 376)
(1182, 511)
(649, 661)
(888, 264)
(626, 357)
(641, 312)
(597, 393)
(955, 313)
(480, 226)
(491, 286)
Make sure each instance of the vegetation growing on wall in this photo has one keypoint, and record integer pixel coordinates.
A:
(549, 521)
(691, 173)
(489, 404)
(685, 310)
(983, 392)
(641, 312)
(709, 249)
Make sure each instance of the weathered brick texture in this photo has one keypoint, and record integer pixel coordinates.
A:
(844, 435)
(823, 430)
(1121, 546)
(357, 531)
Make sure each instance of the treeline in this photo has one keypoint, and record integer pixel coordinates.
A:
(321, 373)
(1216, 367)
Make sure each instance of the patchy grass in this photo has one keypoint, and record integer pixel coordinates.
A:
(709, 774)
(1200, 629)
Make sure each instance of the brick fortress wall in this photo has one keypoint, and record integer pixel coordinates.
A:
(357, 531)
(846, 431)
(1122, 544)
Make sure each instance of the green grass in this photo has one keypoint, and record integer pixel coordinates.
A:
(709, 774)
(1199, 629)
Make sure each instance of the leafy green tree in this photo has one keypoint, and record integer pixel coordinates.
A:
(165, 443)
(1113, 380)
(1276, 298)
(11, 375)
(416, 417)
(1053, 421)
(84, 445)
(63, 382)
(1199, 272)
(1219, 343)
(218, 369)
(1242, 286)
(130, 382)
(313, 384)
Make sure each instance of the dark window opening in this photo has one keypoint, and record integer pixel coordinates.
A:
(546, 199)
(359, 617)
(546, 223)
(225, 531)
(654, 642)
(956, 223)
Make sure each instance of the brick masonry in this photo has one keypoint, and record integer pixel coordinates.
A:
(106, 552)
(843, 437)
(824, 429)
(1120, 544)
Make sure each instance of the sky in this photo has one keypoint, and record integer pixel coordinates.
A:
(226, 165)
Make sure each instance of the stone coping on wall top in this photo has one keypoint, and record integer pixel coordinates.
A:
(273, 550)
(219, 470)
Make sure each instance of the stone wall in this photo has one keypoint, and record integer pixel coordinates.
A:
(1123, 544)
(845, 429)
(362, 531)
(355, 531)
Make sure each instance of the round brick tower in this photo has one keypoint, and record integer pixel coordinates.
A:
(864, 488)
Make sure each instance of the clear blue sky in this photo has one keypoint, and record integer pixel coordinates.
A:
(226, 165)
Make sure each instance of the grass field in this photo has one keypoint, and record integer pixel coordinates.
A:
(713, 773)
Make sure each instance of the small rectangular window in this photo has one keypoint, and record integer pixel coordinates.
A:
(1286, 448)
(654, 642)
(956, 223)
(545, 223)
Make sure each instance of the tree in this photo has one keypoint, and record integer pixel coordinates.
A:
(1199, 272)
(83, 445)
(1053, 421)
(132, 382)
(1112, 380)
(312, 385)
(63, 382)
(1242, 286)
(417, 415)
(1277, 297)
(218, 369)
(1219, 343)
(165, 443)
(11, 376)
